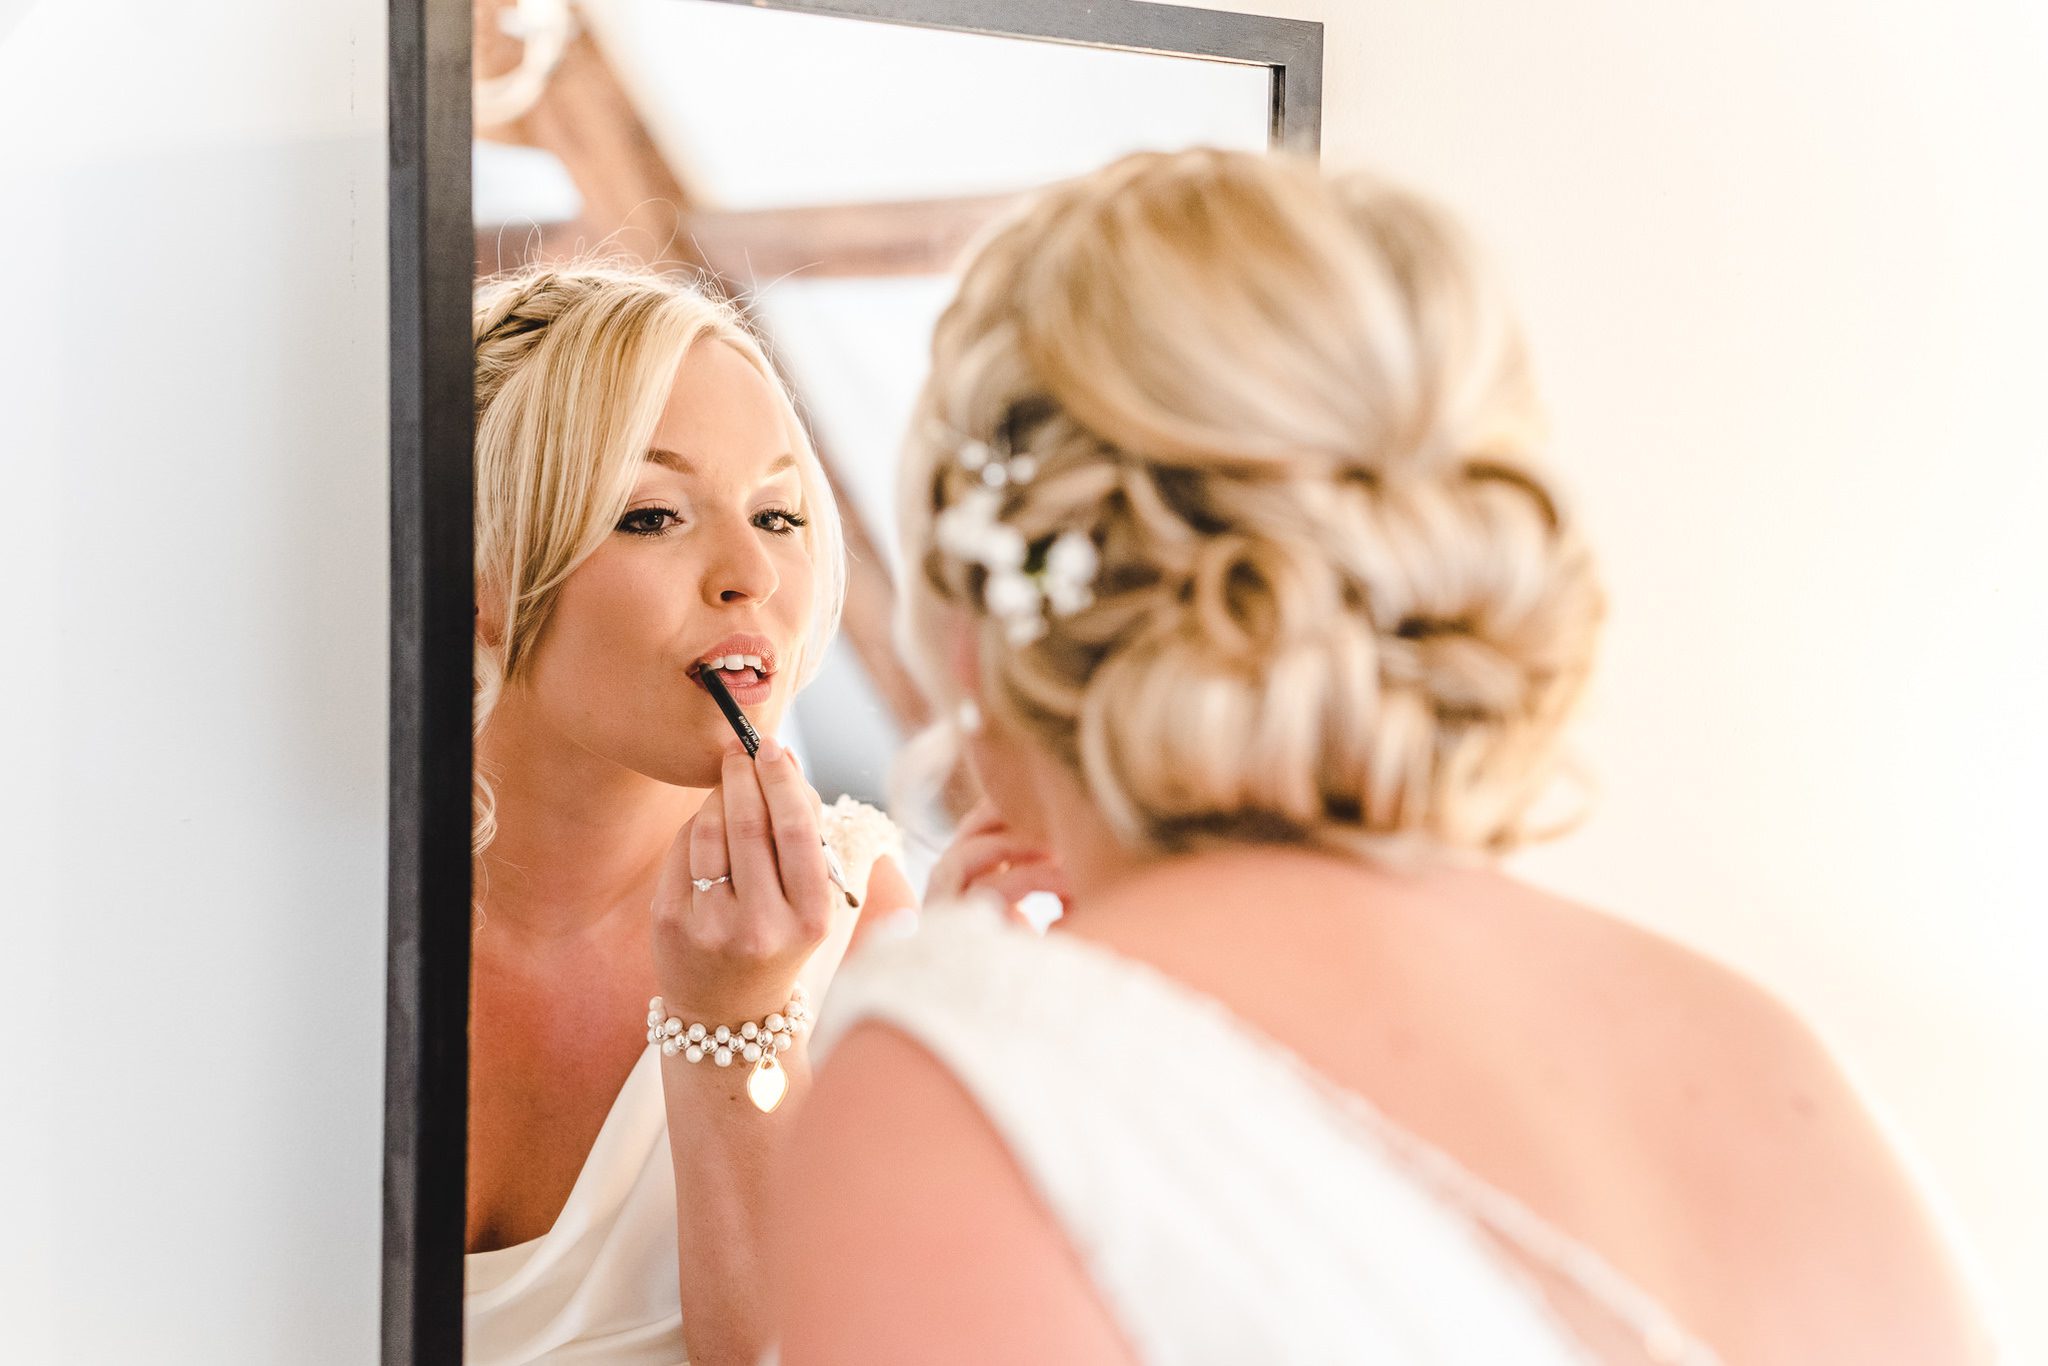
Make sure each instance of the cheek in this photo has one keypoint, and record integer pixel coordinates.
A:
(612, 608)
(795, 594)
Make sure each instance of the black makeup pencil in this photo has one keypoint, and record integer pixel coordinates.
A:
(751, 738)
(741, 726)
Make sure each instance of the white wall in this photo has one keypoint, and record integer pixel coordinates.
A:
(192, 603)
(1783, 263)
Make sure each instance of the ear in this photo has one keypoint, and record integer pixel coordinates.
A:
(490, 616)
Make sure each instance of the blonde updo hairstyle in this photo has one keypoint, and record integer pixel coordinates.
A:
(574, 365)
(1338, 603)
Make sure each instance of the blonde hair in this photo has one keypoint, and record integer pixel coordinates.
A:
(1338, 603)
(574, 365)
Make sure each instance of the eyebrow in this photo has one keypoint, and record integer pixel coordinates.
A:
(669, 459)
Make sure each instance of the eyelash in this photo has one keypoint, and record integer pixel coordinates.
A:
(792, 521)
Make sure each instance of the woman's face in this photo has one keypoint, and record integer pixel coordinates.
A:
(707, 562)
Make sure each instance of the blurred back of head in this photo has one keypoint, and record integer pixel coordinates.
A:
(1338, 603)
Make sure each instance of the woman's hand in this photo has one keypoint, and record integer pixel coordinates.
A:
(733, 951)
(986, 855)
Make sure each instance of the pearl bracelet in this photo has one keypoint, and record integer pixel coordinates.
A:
(755, 1043)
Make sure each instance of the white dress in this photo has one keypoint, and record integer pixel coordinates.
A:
(1230, 1204)
(600, 1285)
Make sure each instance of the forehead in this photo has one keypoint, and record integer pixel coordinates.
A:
(723, 420)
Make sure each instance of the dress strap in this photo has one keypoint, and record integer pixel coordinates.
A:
(973, 974)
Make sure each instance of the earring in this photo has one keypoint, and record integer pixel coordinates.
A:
(967, 716)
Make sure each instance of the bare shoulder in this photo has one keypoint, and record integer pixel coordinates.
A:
(912, 1235)
(888, 890)
(1798, 1210)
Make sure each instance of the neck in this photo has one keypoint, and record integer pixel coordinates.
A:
(1103, 874)
(580, 839)
(1096, 865)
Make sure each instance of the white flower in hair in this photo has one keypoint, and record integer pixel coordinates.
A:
(1070, 565)
(973, 532)
(970, 530)
(1014, 599)
(1002, 547)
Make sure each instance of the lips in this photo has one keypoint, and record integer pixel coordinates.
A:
(744, 663)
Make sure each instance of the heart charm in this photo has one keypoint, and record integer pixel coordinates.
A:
(768, 1085)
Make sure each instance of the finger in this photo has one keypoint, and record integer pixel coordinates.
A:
(1019, 880)
(707, 837)
(749, 837)
(983, 817)
(707, 859)
(971, 859)
(817, 802)
(672, 891)
(799, 850)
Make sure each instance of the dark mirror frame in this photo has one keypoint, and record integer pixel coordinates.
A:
(432, 244)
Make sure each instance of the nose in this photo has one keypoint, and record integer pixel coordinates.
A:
(740, 570)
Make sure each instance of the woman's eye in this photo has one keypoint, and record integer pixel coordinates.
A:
(779, 521)
(647, 521)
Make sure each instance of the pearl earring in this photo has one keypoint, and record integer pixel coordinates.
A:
(967, 716)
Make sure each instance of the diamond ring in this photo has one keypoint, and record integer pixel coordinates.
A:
(705, 884)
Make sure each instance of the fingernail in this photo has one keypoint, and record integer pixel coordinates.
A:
(732, 745)
(769, 751)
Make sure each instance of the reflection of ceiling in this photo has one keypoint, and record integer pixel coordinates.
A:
(857, 350)
(856, 353)
(514, 186)
(759, 108)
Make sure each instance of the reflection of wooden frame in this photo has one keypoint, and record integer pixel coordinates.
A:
(432, 246)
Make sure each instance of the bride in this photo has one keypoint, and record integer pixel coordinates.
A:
(1230, 539)
(647, 506)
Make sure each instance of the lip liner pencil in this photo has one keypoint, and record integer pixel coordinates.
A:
(751, 738)
(741, 726)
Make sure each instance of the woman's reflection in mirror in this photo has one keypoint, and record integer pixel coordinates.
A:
(648, 507)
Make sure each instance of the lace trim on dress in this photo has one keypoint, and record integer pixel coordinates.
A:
(860, 835)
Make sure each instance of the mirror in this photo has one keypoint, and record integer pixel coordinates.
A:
(826, 162)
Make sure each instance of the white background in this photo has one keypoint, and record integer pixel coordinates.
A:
(192, 623)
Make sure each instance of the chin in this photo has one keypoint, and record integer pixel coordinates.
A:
(699, 761)
(697, 771)
(693, 759)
